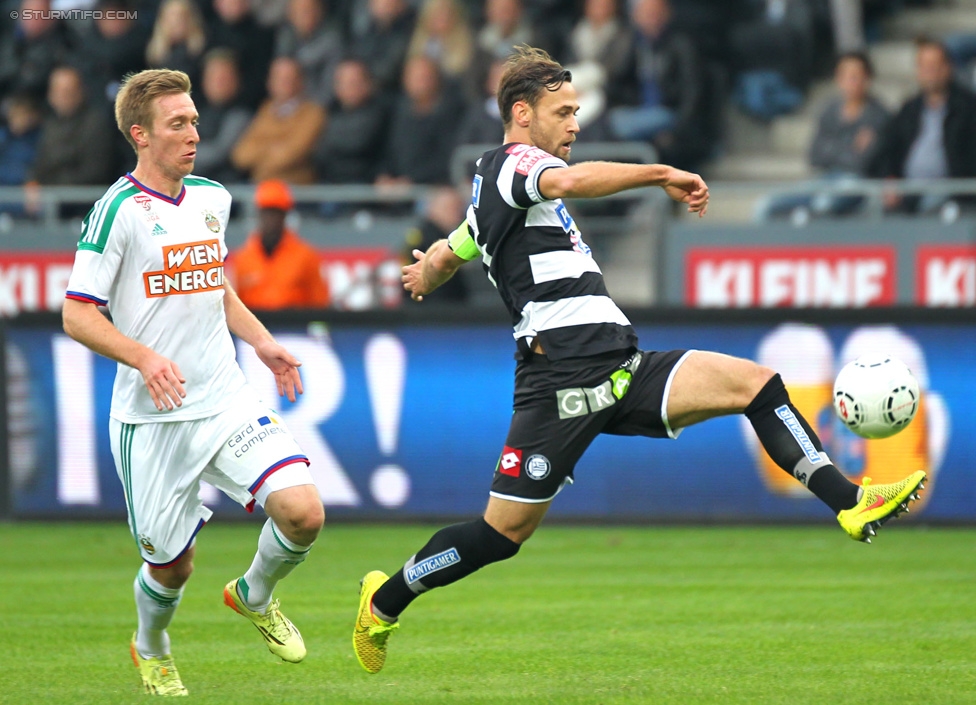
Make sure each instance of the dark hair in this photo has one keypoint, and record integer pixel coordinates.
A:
(528, 71)
(860, 56)
(926, 42)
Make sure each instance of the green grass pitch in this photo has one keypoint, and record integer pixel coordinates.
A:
(582, 615)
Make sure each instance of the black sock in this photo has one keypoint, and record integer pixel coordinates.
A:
(794, 446)
(451, 554)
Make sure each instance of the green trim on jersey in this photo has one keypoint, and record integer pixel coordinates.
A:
(201, 181)
(95, 231)
(462, 244)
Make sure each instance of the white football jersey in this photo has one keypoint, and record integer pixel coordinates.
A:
(158, 264)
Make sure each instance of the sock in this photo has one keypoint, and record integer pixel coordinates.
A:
(793, 445)
(155, 605)
(452, 553)
(276, 558)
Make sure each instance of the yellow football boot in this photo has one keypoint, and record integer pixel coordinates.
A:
(878, 504)
(371, 633)
(159, 675)
(282, 637)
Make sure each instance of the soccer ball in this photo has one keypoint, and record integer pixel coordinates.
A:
(876, 396)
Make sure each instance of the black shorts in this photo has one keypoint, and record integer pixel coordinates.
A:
(561, 406)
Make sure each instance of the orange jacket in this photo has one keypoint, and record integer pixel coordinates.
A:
(289, 278)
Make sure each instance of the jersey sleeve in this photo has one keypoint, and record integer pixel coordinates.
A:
(103, 239)
(523, 167)
(461, 242)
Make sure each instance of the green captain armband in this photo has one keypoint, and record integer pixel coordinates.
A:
(462, 244)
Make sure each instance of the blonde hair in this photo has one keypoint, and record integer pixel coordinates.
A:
(134, 102)
(457, 48)
(159, 46)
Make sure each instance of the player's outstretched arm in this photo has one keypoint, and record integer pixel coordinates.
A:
(86, 324)
(248, 328)
(596, 179)
(431, 269)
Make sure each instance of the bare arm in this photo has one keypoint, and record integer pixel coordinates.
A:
(596, 179)
(248, 328)
(431, 269)
(86, 324)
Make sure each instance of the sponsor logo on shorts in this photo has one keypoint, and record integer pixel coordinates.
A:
(510, 461)
(537, 467)
(146, 544)
(432, 564)
(793, 424)
(245, 439)
(188, 268)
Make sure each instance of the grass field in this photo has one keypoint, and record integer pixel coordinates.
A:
(582, 615)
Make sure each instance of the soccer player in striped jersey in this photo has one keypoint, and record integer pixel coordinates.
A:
(580, 371)
(152, 251)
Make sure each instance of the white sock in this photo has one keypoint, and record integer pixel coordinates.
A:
(155, 604)
(276, 558)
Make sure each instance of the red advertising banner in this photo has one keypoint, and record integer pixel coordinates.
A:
(33, 281)
(358, 278)
(771, 277)
(945, 275)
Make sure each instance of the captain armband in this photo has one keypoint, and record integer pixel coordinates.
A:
(461, 242)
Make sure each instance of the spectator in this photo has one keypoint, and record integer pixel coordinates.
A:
(662, 91)
(505, 28)
(315, 43)
(114, 48)
(848, 129)
(235, 28)
(597, 55)
(845, 142)
(178, 38)
(278, 142)
(19, 137)
(482, 122)
(774, 53)
(443, 35)
(442, 212)
(276, 269)
(933, 135)
(222, 118)
(20, 133)
(421, 136)
(31, 50)
(75, 139)
(352, 143)
(383, 44)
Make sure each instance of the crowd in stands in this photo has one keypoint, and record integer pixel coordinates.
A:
(382, 91)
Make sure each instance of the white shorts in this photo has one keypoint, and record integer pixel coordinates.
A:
(246, 451)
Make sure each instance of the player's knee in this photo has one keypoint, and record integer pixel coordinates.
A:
(174, 576)
(760, 376)
(303, 522)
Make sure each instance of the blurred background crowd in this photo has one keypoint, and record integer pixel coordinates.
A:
(809, 94)
(382, 91)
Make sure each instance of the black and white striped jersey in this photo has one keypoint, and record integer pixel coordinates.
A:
(535, 256)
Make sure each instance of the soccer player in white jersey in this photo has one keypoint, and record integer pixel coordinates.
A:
(152, 251)
(580, 371)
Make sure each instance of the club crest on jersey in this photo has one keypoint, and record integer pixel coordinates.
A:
(188, 268)
(211, 220)
(146, 544)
